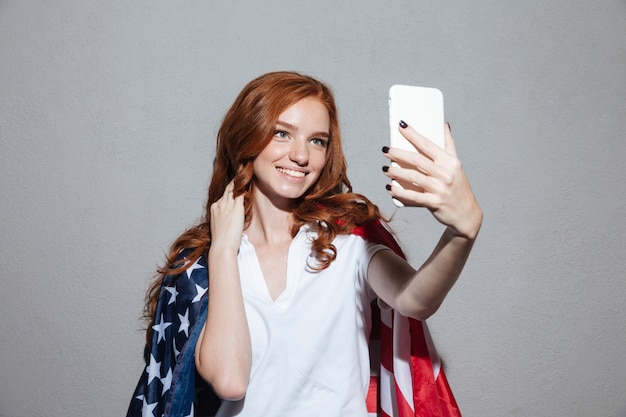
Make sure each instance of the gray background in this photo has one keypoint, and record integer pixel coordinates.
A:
(108, 113)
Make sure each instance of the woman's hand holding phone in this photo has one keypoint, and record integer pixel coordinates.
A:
(425, 173)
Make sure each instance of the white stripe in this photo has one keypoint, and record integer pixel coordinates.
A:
(386, 318)
(387, 387)
(401, 357)
(387, 392)
(434, 358)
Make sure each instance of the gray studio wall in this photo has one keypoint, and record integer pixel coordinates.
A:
(108, 112)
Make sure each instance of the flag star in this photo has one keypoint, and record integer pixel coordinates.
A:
(146, 410)
(200, 291)
(184, 323)
(153, 369)
(167, 381)
(176, 351)
(173, 292)
(193, 267)
(160, 328)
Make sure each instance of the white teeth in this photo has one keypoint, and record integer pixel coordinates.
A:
(291, 172)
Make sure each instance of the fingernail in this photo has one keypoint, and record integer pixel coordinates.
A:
(388, 187)
(385, 149)
(403, 124)
(449, 127)
(385, 168)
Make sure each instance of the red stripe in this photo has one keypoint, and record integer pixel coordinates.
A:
(371, 401)
(404, 408)
(430, 397)
(449, 407)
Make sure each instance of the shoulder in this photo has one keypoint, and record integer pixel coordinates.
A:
(356, 249)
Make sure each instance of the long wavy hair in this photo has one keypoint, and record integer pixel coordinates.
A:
(248, 126)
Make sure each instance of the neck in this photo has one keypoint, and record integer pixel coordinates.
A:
(270, 224)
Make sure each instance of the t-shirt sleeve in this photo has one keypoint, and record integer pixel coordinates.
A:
(370, 249)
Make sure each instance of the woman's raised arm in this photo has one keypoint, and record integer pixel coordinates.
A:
(442, 187)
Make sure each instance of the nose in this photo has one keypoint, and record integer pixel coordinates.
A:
(299, 153)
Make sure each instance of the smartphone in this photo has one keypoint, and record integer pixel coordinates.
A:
(422, 109)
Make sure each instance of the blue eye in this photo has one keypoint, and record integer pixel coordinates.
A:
(281, 134)
(319, 142)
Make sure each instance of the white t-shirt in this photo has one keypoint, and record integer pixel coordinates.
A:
(309, 347)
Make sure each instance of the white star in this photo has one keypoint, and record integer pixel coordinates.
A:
(146, 410)
(200, 291)
(154, 369)
(167, 381)
(176, 351)
(190, 412)
(172, 290)
(160, 328)
(193, 267)
(184, 323)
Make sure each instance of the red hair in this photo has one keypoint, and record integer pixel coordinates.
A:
(248, 126)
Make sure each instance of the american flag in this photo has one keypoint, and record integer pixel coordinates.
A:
(167, 386)
(410, 383)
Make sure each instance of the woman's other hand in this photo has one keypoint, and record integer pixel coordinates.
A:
(227, 220)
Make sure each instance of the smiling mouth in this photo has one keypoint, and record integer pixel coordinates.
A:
(291, 172)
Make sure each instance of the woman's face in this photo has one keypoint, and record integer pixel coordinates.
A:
(295, 156)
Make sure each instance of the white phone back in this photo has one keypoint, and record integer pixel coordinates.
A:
(419, 107)
(422, 109)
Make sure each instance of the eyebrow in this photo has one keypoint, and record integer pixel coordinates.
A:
(292, 127)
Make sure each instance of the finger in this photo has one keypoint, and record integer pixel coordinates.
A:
(414, 161)
(239, 201)
(450, 146)
(228, 191)
(411, 178)
(421, 142)
(410, 197)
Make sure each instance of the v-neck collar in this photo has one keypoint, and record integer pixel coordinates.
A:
(298, 249)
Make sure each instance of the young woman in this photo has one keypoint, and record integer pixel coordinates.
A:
(290, 287)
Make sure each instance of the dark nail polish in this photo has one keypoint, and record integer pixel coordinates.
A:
(449, 127)
(388, 187)
(385, 149)
(403, 124)
(385, 168)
